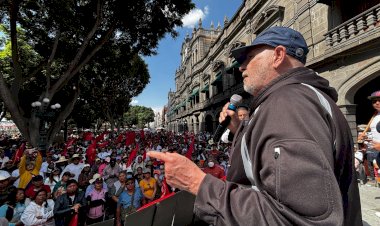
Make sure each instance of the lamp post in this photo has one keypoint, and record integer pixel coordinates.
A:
(45, 114)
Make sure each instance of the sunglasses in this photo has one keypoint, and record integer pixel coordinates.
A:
(374, 101)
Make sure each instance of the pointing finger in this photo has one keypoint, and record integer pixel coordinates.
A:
(157, 155)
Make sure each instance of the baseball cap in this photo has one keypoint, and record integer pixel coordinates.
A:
(292, 40)
(375, 95)
(4, 175)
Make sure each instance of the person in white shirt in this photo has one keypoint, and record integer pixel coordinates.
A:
(243, 114)
(53, 178)
(39, 211)
(16, 176)
(3, 159)
(44, 167)
(74, 167)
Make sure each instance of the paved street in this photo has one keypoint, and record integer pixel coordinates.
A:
(370, 202)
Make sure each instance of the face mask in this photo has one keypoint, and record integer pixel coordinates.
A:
(129, 176)
(211, 164)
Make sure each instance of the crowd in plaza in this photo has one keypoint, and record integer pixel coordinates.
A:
(94, 177)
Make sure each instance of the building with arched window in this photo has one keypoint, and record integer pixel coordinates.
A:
(343, 38)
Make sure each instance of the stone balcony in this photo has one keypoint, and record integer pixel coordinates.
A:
(361, 28)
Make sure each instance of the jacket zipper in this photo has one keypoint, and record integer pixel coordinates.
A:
(277, 153)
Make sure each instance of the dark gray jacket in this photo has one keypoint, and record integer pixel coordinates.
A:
(302, 177)
(63, 212)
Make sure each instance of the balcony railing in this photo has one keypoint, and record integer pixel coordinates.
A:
(361, 23)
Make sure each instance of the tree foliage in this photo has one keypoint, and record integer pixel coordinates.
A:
(139, 115)
(63, 39)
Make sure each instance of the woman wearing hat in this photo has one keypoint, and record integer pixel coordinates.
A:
(148, 186)
(96, 201)
(53, 178)
(61, 163)
(371, 134)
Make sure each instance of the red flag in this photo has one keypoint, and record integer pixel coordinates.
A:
(74, 220)
(104, 144)
(67, 145)
(91, 153)
(133, 155)
(165, 189)
(142, 134)
(144, 155)
(87, 136)
(119, 139)
(19, 152)
(191, 149)
(130, 138)
(100, 137)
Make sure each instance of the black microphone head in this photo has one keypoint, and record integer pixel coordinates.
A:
(236, 99)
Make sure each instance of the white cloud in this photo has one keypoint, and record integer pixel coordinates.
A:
(191, 19)
(134, 102)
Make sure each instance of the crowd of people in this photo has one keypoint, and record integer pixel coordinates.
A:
(94, 177)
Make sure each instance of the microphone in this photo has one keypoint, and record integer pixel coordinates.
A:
(234, 102)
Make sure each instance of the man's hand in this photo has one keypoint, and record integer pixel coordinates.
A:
(180, 172)
(235, 122)
(76, 207)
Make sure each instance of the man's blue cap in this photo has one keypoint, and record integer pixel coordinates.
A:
(292, 40)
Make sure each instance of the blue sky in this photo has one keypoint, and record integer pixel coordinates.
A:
(163, 65)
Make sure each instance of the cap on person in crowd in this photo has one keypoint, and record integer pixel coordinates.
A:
(38, 178)
(86, 165)
(61, 159)
(292, 40)
(146, 170)
(76, 156)
(4, 175)
(374, 95)
(95, 177)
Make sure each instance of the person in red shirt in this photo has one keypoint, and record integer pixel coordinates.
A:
(37, 184)
(214, 169)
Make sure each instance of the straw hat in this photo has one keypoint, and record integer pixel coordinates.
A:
(95, 177)
(61, 159)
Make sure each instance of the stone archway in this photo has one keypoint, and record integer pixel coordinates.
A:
(353, 95)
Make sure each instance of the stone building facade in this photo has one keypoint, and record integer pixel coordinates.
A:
(343, 38)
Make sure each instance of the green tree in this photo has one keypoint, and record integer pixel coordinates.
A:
(66, 36)
(139, 115)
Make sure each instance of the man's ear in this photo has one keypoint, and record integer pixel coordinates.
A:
(279, 56)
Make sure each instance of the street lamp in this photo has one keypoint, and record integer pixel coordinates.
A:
(45, 115)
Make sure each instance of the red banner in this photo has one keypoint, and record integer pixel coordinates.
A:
(191, 148)
(133, 155)
(130, 138)
(19, 153)
(91, 153)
